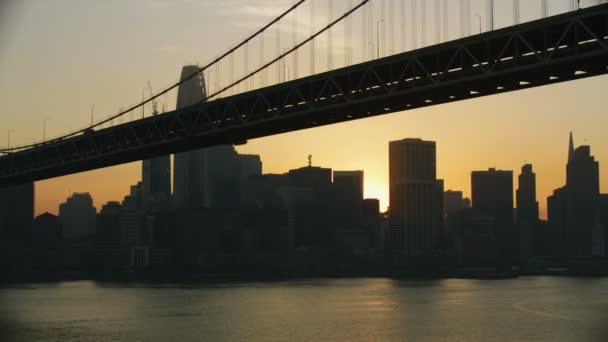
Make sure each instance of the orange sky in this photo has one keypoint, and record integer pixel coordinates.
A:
(57, 58)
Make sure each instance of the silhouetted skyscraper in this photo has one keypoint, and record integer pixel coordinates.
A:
(78, 216)
(206, 177)
(310, 186)
(249, 165)
(414, 196)
(16, 211)
(348, 186)
(156, 178)
(574, 209)
(527, 206)
(452, 202)
(310, 176)
(189, 167)
(221, 177)
(493, 194)
(583, 187)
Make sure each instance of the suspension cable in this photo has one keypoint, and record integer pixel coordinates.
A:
(287, 52)
(166, 90)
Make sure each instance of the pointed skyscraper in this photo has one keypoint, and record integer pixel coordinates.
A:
(189, 167)
(571, 149)
(205, 177)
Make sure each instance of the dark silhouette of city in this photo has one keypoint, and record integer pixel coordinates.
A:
(224, 218)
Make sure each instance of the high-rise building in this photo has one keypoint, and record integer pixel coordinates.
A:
(574, 210)
(603, 208)
(493, 194)
(189, 167)
(414, 198)
(78, 216)
(16, 211)
(249, 165)
(156, 179)
(582, 184)
(47, 246)
(308, 195)
(527, 206)
(221, 178)
(452, 202)
(206, 177)
(348, 187)
(310, 176)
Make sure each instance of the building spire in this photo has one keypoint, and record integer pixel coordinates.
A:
(571, 149)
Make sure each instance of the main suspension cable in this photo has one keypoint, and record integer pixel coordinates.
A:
(166, 90)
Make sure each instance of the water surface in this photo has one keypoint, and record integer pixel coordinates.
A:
(524, 309)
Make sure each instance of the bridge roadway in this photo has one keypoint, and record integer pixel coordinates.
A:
(556, 49)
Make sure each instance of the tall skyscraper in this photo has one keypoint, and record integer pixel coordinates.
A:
(309, 188)
(527, 206)
(156, 179)
(414, 198)
(348, 186)
(188, 172)
(221, 177)
(310, 176)
(493, 194)
(78, 216)
(205, 177)
(249, 165)
(16, 211)
(453, 202)
(574, 210)
(582, 184)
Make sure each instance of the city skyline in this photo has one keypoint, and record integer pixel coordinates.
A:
(542, 203)
(536, 120)
(334, 170)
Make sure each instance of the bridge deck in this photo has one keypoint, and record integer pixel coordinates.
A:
(556, 49)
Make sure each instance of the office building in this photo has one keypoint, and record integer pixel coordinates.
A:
(156, 179)
(189, 167)
(493, 194)
(527, 206)
(415, 194)
(249, 165)
(453, 202)
(575, 210)
(348, 200)
(78, 216)
(16, 211)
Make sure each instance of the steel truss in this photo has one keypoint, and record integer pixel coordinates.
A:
(556, 49)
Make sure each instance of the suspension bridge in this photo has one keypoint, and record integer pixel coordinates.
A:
(406, 55)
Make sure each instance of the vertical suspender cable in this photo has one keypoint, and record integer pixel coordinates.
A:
(423, 23)
(364, 32)
(278, 49)
(437, 21)
(490, 14)
(391, 27)
(414, 24)
(330, 40)
(446, 22)
(294, 41)
(312, 43)
(402, 26)
(467, 16)
(370, 31)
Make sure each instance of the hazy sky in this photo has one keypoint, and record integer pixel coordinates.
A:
(57, 58)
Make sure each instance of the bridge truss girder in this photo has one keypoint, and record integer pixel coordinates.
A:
(556, 49)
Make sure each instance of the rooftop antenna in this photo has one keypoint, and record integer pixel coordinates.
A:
(92, 110)
(310, 160)
(154, 103)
